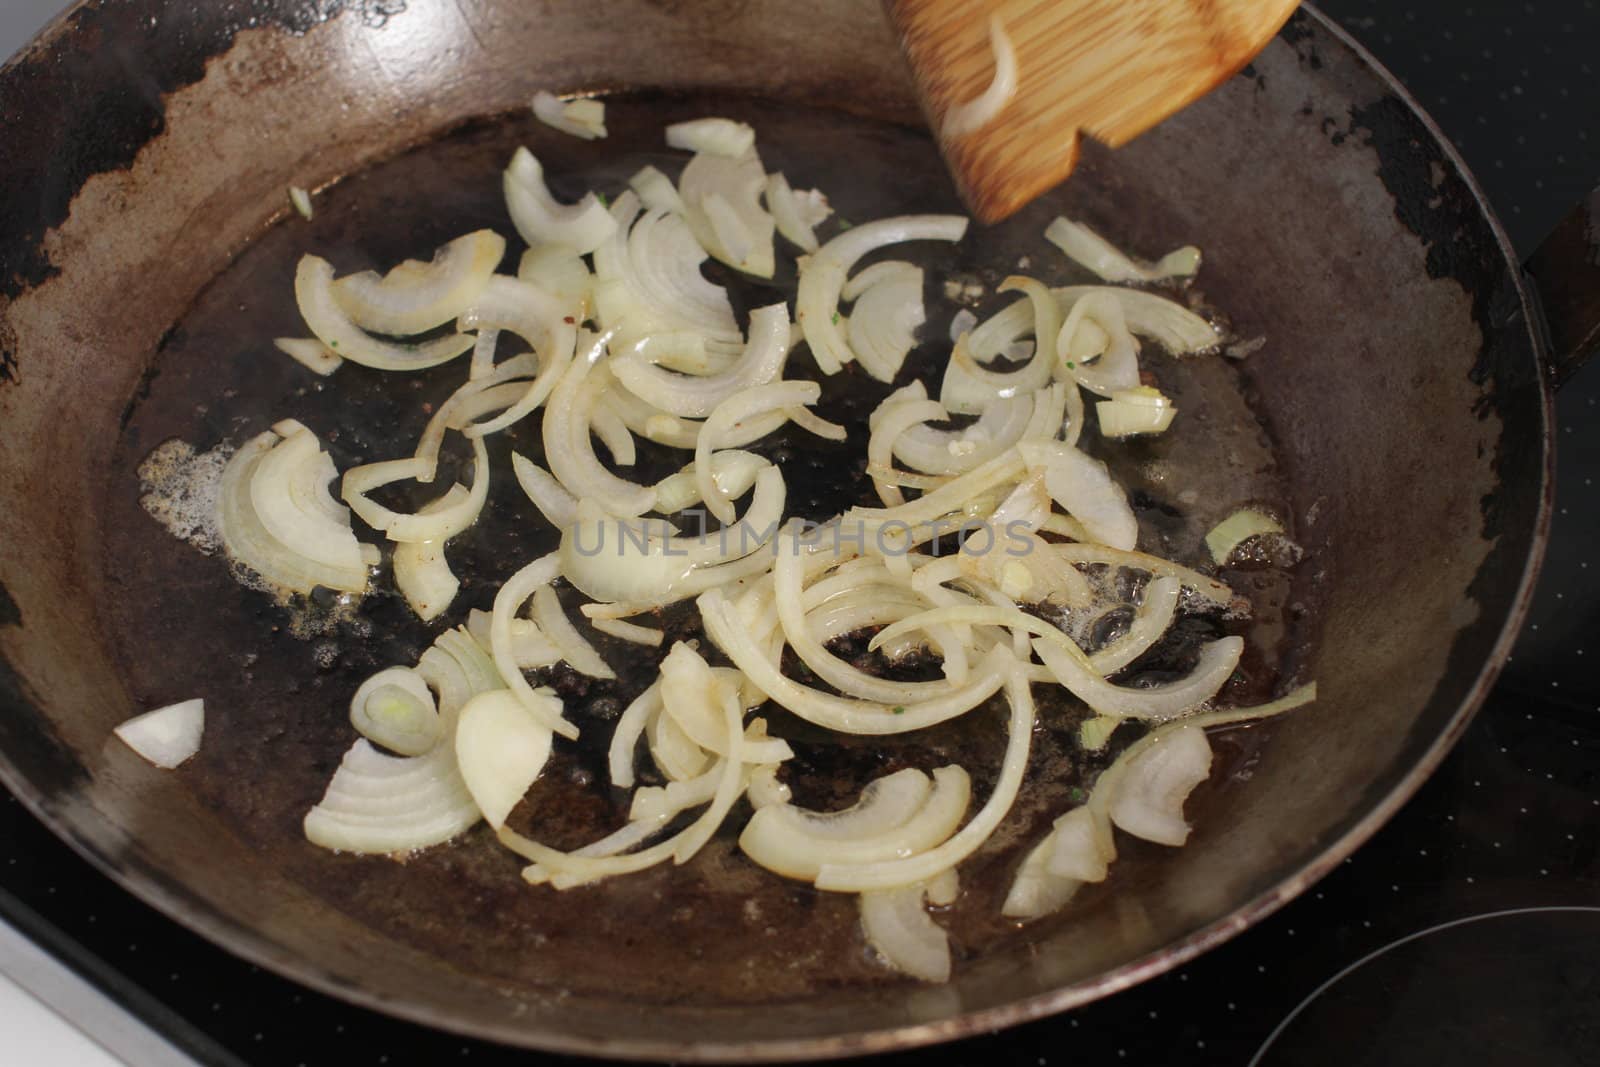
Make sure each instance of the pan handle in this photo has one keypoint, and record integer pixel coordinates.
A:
(1565, 269)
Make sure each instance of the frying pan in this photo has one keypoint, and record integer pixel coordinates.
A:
(1399, 412)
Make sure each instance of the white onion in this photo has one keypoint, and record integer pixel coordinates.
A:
(843, 874)
(1096, 329)
(539, 319)
(1106, 261)
(309, 353)
(972, 115)
(563, 274)
(648, 636)
(530, 648)
(580, 118)
(301, 201)
(762, 361)
(1127, 415)
(1086, 490)
(166, 736)
(569, 449)
(1084, 554)
(1081, 848)
(501, 748)
(394, 708)
(609, 429)
(314, 293)
(790, 214)
(656, 190)
(716, 136)
(440, 523)
(338, 561)
(899, 928)
(1148, 801)
(552, 499)
(518, 588)
(625, 738)
(882, 328)
(733, 470)
(890, 420)
(1155, 615)
(800, 844)
(1236, 529)
(1171, 325)
(421, 571)
(719, 189)
(823, 275)
(540, 219)
(413, 300)
(1034, 890)
(554, 624)
(740, 407)
(1169, 700)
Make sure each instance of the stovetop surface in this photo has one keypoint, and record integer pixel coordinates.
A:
(1467, 928)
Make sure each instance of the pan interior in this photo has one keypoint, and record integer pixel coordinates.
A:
(720, 932)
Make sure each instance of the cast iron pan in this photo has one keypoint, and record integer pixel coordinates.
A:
(1398, 412)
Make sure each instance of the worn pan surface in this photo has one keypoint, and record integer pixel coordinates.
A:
(1397, 413)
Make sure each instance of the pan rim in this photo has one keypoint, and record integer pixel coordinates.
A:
(244, 942)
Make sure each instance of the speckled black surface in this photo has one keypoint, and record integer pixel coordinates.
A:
(1466, 930)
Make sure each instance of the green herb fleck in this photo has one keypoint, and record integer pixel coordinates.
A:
(1077, 796)
(1071, 365)
(844, 223)
(335, 344)
(899, 709)
(836, 318)
(604, 200)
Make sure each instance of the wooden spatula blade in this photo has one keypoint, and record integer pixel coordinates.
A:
(1108, 69)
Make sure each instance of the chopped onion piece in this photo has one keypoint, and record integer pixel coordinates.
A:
(761, 362)
(882, 328)
(552, 499)
(739, 407)
(1088, 249)
(395, 709)
(793, 218)
(800, 844)
(518, 588)
(561, 273)
(416, 300)
(1236, 529)
(1132, 411)
(900, 930)
(1148, 801)
(530, 648)
(301, 201)
(823, 275)
(1171, 325)
(1169, 700)
(166, 736)
(1082, 849)
(1155, 615)
(1086, 490)
(438, 524)
(540, 219)
(314, 292)
(310, 353)
(1036, 892)
(538, 318)
(569, 449)
(656, 190)
(962, 322)
(719, 137)
(842, 874)
(552, 620)
(421, 571)
(501, 748)
(972, 115)
(581, 118)
(722, 200)
(627, 631)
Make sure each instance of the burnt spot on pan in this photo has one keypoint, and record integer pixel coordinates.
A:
(10, 613)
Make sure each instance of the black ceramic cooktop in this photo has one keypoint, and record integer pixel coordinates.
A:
(1468, 930)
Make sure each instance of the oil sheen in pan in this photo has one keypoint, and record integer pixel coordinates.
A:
(277, 680)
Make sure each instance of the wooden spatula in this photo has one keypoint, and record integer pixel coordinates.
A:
(1107, 69)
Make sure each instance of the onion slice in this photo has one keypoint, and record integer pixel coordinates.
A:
(1108, 262)
(413, 301)
(314, 292)
(716, 136)
(395, 709)
(899, 928)
(581, 118)
(540, 219)
(166, 736)
(501, 748)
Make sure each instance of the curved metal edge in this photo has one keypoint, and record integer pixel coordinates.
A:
(244, 943)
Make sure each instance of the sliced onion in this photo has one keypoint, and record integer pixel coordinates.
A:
(530, 648)
(972, 115)
(900, 930)
(395, 709)
(672, 749)
(580, 118)
(1169, 700)
(1109, 263)
(733, 470)
(796, 214)
(1085, 489)
(608, 427)
(301, 201)
(309, 353)
(823, 275)
(696, 397)
(1085, 554)
(501, 748)
(740, 407)
(540, 320)
(648, 636)
(421, 571)
(951, 498)
(518, 588)
(1148, 801)
(1236, 529)
(338, 563)
(717, 188)
(729, 631)
(314, 292)
(800, 844)
(656, 190)
(540, 219)
(552, 499)
(1171, 325)
(439, 524)
(625, 738)
(1036, 892)
(1155, 615)
(1081, 848)
(554, 624)
(716, 136)
(415, 301)
(569, 449)
(562, 273)
(1096, 329)
(1134, 411)
(843, 874)
(882, 328)
(166, 736)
